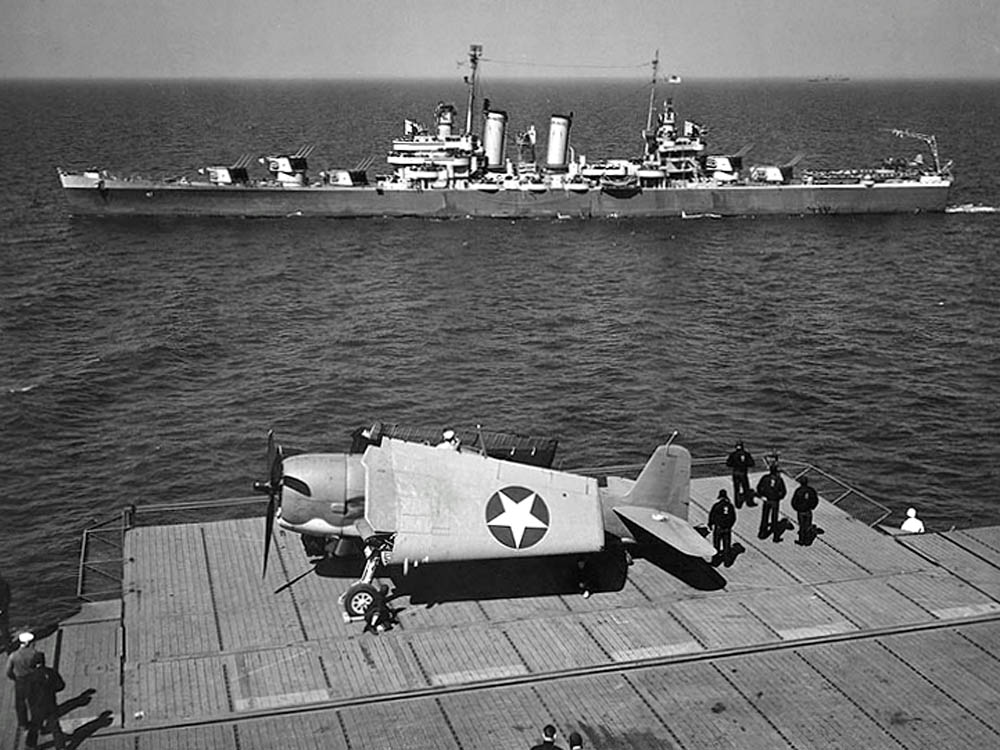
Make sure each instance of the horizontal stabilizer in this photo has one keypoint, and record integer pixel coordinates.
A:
(668, 529)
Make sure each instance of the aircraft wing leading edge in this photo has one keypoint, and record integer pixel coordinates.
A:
(668, 529)
(444, 505)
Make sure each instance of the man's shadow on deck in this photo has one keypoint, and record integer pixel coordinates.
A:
(79, 734)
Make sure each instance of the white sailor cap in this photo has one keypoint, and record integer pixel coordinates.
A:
(448, 434)
(25, 637)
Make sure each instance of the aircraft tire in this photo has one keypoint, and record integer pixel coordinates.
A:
(358, 598)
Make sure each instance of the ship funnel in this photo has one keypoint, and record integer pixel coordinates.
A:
(494, 139)
(558, 153)
(445, 117)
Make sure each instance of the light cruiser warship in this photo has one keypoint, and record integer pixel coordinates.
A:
(446, 172)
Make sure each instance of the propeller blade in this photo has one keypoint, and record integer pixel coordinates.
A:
(272, 487)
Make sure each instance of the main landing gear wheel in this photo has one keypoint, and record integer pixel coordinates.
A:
(358, 598)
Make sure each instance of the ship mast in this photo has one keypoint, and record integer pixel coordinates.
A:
(475, 51)
(652, 91)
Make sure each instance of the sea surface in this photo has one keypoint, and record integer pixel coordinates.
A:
(143, 361)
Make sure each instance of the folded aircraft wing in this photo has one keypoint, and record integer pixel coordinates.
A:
(448, 505)
(669, 529)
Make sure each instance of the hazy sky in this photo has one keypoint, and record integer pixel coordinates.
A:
(382, 38)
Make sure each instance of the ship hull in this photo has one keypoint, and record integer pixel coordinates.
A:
(147, 198)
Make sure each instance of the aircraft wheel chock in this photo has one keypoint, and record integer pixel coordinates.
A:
(358, 598)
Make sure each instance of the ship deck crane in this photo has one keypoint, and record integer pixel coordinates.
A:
(930, 140)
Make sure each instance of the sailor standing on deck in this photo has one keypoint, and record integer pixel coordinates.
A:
(449, 440)
(721, 519)
(804, 502)
(19, 666)
(548, 739)
(42, 685)
(912, 524)
(771, 488)
(740, 461)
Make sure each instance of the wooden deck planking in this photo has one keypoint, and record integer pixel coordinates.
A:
(212, 737)
(985, 635)
(640, 633)
(701, 709)
(307, 731)
(645, 583)
(944, 595)
(480, 654)
(90, 660)
(756, 568)
(510, 718)
(554, 644)
(249, 612)
(167, 604)
(916, 713)
(808, 710)
(275, 678)
(154, 636)
(868, 547)
(108, 742)
(985, 542)
(606, 710)
(962, 555)
(502, 610)
(315, 595)
(723, 622)
(873, 603)
(166, 569)
(176, 690)
(372, 666)
(399, 726)
(819, 562)
(797, 613)
(954, 665)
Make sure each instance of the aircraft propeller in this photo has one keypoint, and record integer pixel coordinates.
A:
(272, 487)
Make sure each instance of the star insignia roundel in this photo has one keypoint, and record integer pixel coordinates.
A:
(517, 517)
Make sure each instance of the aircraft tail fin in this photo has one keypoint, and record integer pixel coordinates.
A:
(664, 483)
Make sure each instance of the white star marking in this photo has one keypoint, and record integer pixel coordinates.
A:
(517, 516)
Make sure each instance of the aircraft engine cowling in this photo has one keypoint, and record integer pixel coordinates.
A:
(322, 494)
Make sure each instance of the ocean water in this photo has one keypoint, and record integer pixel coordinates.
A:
(143, 361)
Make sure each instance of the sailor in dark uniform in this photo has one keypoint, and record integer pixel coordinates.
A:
(548, 739)
(740, 461)
(771, 488)
(804, 502)
(721, 519)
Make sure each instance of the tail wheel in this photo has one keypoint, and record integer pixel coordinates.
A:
(358, 598)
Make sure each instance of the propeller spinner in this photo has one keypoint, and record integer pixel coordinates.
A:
(272, 487)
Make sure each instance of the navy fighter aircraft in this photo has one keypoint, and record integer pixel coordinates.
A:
(409, 503)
